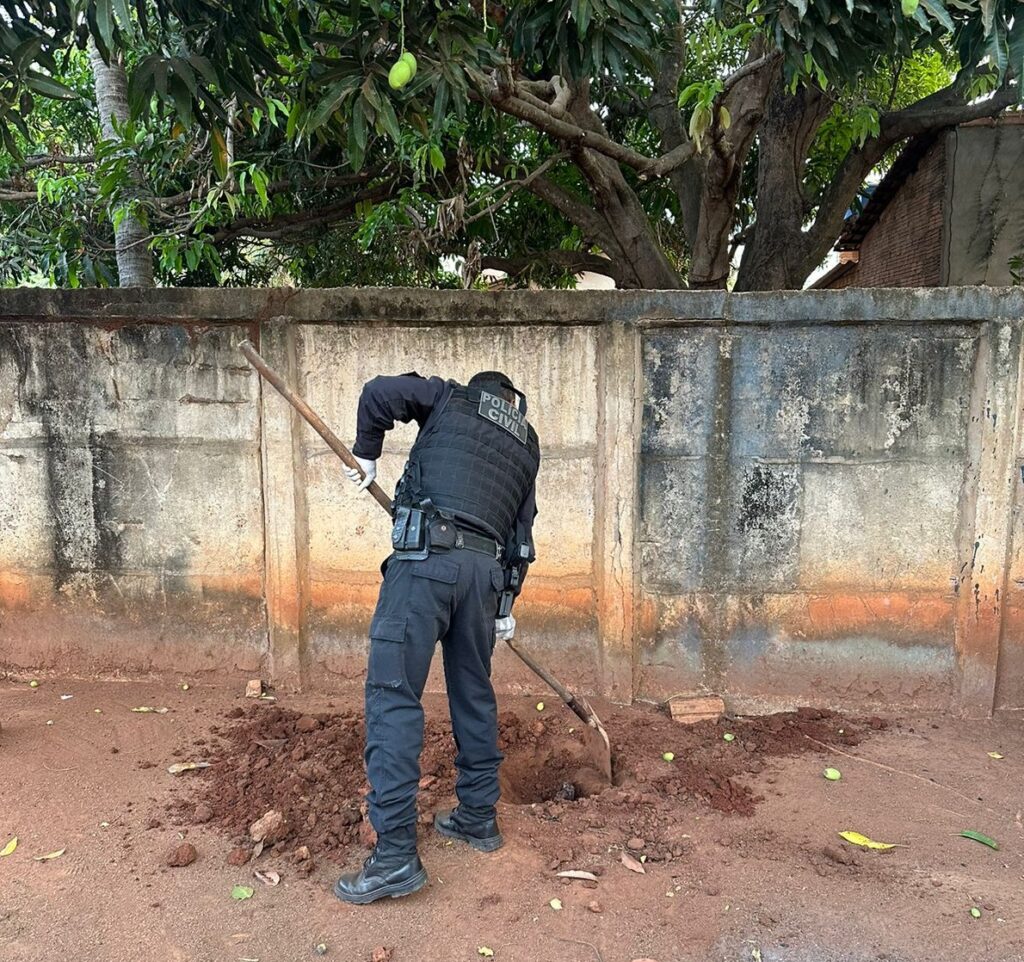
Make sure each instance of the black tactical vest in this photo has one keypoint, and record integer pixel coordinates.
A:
(476, 457)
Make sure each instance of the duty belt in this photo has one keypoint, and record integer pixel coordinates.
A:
(477, 542)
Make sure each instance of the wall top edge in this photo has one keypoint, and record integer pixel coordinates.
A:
(421, 307)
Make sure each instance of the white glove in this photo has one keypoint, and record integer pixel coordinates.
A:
(504, 628)
(369, 473)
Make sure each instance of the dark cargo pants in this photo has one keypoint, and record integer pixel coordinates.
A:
(451, 597)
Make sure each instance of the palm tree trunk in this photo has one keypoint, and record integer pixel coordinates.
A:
(134, 261)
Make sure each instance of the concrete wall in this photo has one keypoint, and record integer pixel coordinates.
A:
(806, 497)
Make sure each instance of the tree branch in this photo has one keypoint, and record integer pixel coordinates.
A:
(283, 225)
(944, 108)
(511, 186)
(751, 66)
(575, 261)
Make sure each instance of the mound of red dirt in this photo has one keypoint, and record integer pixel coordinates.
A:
(310, 769)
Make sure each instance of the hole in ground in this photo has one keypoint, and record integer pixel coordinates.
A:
(557, 769)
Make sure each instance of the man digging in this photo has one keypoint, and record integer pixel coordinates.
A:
(462, 543)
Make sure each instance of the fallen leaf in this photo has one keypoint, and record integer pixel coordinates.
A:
(270, 877)
(148, 710)
(257, 849)
(9, 847)
(556, 904)
(632, 864)
(241, 892)
(66, 697)
(178, 767)
(857, 839)
(586, 876)
(755, 954)
(50, 855)
(978, 837)
(485, 952)
(994, 755)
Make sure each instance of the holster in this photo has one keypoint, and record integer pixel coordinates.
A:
(409, 534)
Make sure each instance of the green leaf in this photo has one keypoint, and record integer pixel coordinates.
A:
(241, 892)
(988, 13)
(909, 7)
(48, 87)
(436, 158)
(25, 53)
(332, 100)
(939, 12)
(219, 148)
(105, 22)
(978, 837)
(389, 121)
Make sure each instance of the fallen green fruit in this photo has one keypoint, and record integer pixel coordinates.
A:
(976, 913)
(668, 756)
(833, 774)
(729, 737)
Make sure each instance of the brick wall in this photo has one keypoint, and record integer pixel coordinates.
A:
(904, 249)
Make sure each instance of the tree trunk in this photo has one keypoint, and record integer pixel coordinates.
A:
(726, 156)
(628, 237)
(134, 261)
(779, 254)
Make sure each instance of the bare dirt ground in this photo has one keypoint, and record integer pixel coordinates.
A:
(737, 838)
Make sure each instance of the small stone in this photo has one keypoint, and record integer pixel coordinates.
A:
(253, 688)
(635, 844)
(595, 907)
(383, 953)
(539, 728)
(307, 724)
(427, 780)
(181, 855)
(203, 814)
(270, 828)
(238, 856)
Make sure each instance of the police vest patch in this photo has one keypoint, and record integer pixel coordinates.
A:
(505, 415)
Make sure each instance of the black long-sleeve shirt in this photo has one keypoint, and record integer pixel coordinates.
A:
(410, 397)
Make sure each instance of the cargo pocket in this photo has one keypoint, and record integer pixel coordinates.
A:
(386, 667)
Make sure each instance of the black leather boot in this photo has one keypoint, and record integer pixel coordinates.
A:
(484, 835)
(389, 871)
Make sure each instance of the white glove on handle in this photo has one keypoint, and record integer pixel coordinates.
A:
(369, 473)
(504, 628)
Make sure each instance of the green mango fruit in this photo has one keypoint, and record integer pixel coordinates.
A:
(408, 58)
(399, 75)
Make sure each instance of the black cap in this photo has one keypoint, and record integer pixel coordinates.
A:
(493, 379)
